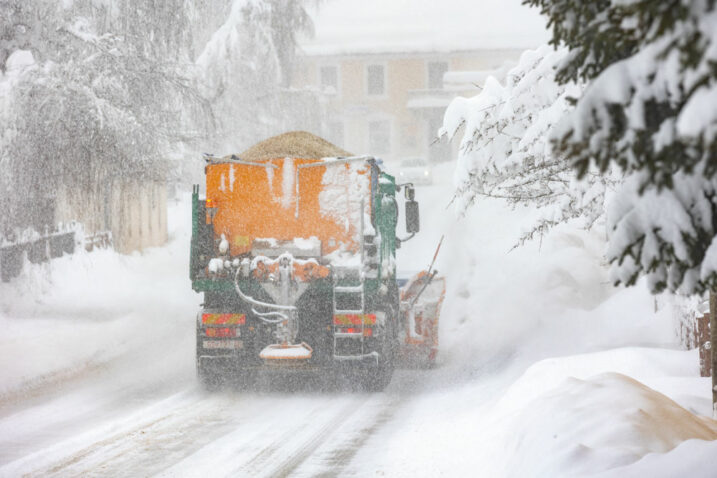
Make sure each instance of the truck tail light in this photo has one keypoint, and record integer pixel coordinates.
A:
(220, 332)
(367, 332)
(355, 319)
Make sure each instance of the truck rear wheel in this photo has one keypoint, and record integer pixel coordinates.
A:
(376, 378)
(208, 378)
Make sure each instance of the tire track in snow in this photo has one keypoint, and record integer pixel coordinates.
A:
(332, 458)
(328, 450)
(262, 465)
(137, 449)
(310, 446)
(338, 459)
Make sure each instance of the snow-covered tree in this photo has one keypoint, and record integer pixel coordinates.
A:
(241, 73)
(86, 103)
(649, 109)
(245, 67)
(505, 153)
(288, 19)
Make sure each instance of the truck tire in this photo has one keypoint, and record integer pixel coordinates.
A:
(376, 378)
(206, 377)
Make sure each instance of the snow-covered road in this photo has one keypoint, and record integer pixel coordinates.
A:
(135, 419)
(186, 433)
(97, 369)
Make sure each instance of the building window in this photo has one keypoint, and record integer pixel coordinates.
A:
(376, 80)
(329, 77)
(436, 69)
(379, 137)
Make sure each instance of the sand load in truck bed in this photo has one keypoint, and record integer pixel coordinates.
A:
(290, 187)
(294, 144)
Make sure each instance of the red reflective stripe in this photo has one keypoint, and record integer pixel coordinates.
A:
(355, 319)
(220, 319)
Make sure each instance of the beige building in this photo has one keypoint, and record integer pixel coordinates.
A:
(388, 73)
(392, 104)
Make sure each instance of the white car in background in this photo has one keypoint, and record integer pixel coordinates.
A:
(414, 170)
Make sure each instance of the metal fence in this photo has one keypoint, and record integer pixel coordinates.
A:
(39, 250)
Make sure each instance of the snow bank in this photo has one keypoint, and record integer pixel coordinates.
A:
(81, 311)
(644, 364)
(693, 458)
(586, 426)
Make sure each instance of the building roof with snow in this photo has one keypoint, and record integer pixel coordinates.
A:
(393, 26)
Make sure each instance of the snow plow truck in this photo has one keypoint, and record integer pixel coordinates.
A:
(294, 249)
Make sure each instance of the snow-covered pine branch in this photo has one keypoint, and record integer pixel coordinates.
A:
(505, 153)
(649, 110)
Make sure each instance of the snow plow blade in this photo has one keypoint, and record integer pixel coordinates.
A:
(421, 300)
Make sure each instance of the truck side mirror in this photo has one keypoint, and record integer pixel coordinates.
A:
(412, 220)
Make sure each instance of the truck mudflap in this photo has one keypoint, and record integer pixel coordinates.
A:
(421, 300)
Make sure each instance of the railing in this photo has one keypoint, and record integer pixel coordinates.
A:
(99, 240)
(50, 246)
(45, 248)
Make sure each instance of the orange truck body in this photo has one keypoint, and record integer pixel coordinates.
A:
(261, 199)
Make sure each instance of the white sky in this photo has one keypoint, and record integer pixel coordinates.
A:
(377, 26)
